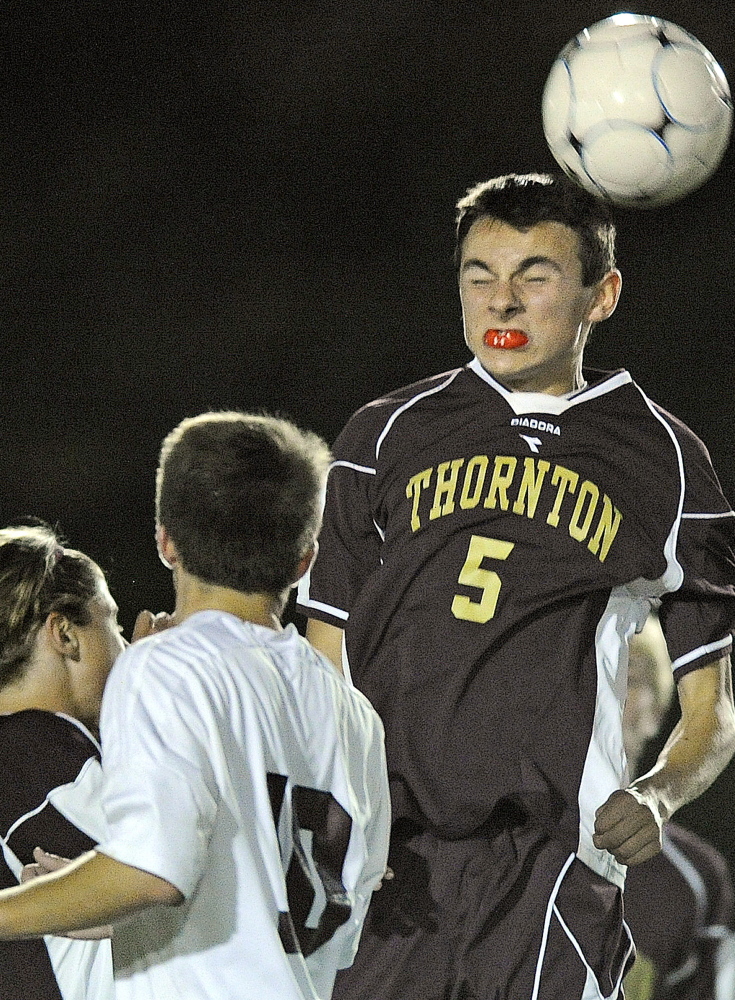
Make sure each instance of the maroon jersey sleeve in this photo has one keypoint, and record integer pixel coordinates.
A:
(352, 533)
(350, 543)
(350, 540)
(698, 617)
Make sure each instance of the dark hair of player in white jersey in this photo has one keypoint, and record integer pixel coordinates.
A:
(525, 200)
(38, 577)
(241, 497)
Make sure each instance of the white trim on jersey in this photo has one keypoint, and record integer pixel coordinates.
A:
(689, 873)
(725, 967)
(601, 388)
(708, 517)
(352, 465)
(604, 770)
(591, 988)
(80, 725)
(77, 801)
(303, 598)
(542, 402)
(405, 406)
(83, 969)
(711, 647)
(715, 932)
(699, 890)
(304, 585)
(337, 612)
(674, 575)
(15, 866)
(547, 923)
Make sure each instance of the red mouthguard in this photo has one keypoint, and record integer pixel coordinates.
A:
(505, 338)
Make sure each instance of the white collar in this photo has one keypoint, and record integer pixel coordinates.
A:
(542, 402)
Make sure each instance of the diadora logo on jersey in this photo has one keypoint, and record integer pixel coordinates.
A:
(536, 425)
(533, 443)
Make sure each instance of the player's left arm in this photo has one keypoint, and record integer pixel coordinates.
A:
(327, 639)
(700, 746)
(94, 889)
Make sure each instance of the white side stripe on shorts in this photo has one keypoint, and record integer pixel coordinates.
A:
(591, 987)
(547, 922)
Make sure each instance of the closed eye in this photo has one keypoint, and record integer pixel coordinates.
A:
(538, 276)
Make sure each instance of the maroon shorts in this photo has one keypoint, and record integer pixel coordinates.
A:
(511, 915)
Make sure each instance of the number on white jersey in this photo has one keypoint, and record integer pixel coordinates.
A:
(318, 902)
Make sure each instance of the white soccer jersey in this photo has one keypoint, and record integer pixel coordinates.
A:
(240, 767)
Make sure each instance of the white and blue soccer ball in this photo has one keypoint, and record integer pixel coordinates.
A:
(637, 111)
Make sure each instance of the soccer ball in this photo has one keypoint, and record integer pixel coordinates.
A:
(637, 111)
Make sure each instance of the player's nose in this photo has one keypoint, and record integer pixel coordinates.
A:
(504, 298)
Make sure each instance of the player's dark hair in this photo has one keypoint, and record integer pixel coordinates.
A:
(38, 576)
(241, 497)
(525, 200)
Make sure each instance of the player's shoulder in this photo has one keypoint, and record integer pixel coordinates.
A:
(176, 655)
(685, 436)
(406, 393)
(319, 671)
(622, 393)
(369, 422)
(689, 449)
(377, 410)
(32, 731)
(703, 490)
(40, 751)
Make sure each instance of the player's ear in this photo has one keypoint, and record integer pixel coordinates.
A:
(62, 635)
(607, 293)
(166, 548)
(306, 561)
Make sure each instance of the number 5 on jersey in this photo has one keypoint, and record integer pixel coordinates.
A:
(472, 574)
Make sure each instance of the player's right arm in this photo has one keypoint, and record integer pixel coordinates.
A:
(45, 864)
(327, 639)
(90, 891)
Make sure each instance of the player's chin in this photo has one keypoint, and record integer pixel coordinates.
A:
(500, 362)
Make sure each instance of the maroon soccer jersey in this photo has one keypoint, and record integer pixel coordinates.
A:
(50, 768)
(489, 554)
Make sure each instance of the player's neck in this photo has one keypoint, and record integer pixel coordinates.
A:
(564, 382)
(43, 685)
(193, 595)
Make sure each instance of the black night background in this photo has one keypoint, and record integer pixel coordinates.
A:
(250, 205)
